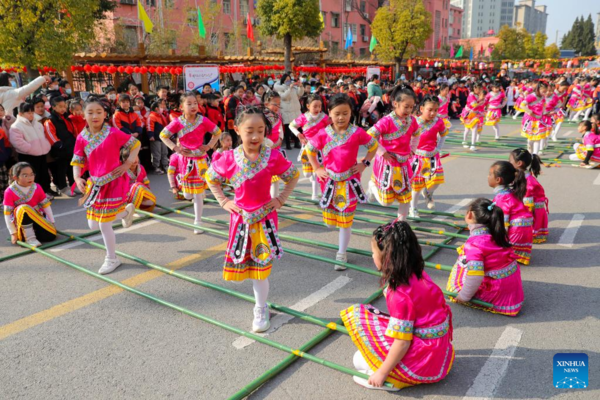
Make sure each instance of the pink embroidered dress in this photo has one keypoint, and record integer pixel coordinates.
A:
(491, 268)
(139, 189)
(591, 142)
(531, 126)
(100, 153)
(520, 101)
(253, 239)
(191, 137)
(342, 191)
(18, 204)
(577, 99)
(177, 166)
(548, 119)
(417, 313)
(392, 179)
(443, 110)
(426, 163)
(472, 115)
(275, 135)
(311, 125)
(494, 103)
(587, 96)
(536, 201)
(559, 113)
(519, 222)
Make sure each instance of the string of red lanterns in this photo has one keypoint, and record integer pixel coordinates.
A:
(111, 69)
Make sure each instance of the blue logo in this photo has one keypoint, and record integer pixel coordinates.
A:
(571, 371)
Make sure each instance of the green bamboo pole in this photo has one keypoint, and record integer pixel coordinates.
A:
(502, 157)
(86, 234)
(298, 314)
(286, 362)
(362, 206)
(311, 242)
(505, 145)
(294, 252)
(204, 318)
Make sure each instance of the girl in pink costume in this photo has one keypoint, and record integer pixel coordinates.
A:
(576, 101)
(495, 100)
(175, 172)
(509, 186)
(398, 136)
(428, 173)
(558, 115)
(190, 129)
(526, 89)
(339, 174)
(27, 210)
(272, 102)
(98, 149)
(590, 149)
(535, 197)
(413, 344)
(472, 116)
(444, 100)
(532, 127)
(311, 123)
(139, 185)
(253, 238)
(486, 268)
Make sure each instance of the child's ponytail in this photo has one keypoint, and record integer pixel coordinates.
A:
(533, 163)
(513, 178)
(491, 216)
(519, 185)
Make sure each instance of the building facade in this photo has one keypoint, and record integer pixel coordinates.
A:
(482, 18)
(531, 17)
(455, 23)
(598, 33)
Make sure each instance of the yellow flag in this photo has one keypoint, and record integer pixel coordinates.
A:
(321, 19)
(148, 25)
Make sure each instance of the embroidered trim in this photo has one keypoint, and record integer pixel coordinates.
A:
(433, 332)
(94, 140)
(480, 231)
(255, 216)
(289, 174)
(428, 154)
(248, 169)
(521, 222)
(401, 125)
(312, 121)
(339, 176)
(337, 139)
(503, 272)
(475, 266)
(78, 160)
(399, 326)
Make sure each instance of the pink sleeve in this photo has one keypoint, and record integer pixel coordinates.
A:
(300, 121)
(173, 127)
(9, 199)
(221, 169)
(317, 142)
(278, 164)
(379, 128)
(530, 98)
(210, 127)
(474, 256)
(414, 127)
(402, 316)
(79, 156)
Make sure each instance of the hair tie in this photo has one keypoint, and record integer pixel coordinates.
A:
(491, 206)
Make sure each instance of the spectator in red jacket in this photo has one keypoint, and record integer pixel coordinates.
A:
(125, 119)
(156, 123)
(76, 115)
(213, 111)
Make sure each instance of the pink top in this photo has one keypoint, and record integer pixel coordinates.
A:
(394, 134)
(561, 97)
(177, 166)
(340, 150)
(312, 124)
(191, 134)
(443, 110)
(276, 130)
(588, 90)
(591, 141)
(429, 136)
(474, 104)
(251, 179)
(482, 255)
(552, 103)
(536, 105)
(34, 197)
(514, 209)
(494, 100)
(535, 192)
(419, 304)
(139, 176)
(100, 152)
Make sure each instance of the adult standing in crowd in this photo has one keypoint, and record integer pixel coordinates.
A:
(373, 88)
(290, 93)
(11, 97)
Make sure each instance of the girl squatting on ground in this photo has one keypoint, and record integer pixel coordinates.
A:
(98, 149)
(398, 136)
(339, 173)
(190, 128)
(253, 239)
(311, 122)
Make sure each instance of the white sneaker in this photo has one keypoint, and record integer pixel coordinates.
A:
(198, 231)
(364, 383)
(110, 264)
(473, 148)
(413, 213)
(128, 220)
(430, 202)
(33, 242)
(514, 117)
(315, 198)
(371, 192)
(261, 319)
(465, 145)
(540, 152)
(29, 234)
(496, 137)
(554, 139)
(342, 257)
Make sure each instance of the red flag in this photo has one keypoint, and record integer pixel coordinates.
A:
(439, 43)
(249, 30)
(481, 50)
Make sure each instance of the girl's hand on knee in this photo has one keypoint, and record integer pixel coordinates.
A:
(13, 238)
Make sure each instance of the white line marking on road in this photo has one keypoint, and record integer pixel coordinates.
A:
(569, 133)
(69, 212)
(96, 237)
(455, 208)
(307, 302)
(597, 180)
(303, 180)
(495, 367)
(568, 236)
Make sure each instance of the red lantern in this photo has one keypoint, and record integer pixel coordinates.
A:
(95, 69)
(159, 70)
(129, 70)
(136, 70)
(121, 69)
(103, 68)
(87, 68)
(73, 68)
(152, 69)
(143, 70)
(179, 70)
(112, 69)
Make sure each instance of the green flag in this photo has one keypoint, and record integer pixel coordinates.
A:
(373, 43)
(201, 28)
(459, 53)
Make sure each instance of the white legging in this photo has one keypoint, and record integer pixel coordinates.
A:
(414, 203)
(315, 185)
(535, 146)
(345, 234)
(108, 234)
(403, 211)
(198, 200)
(261, 291)
(474, 135)
(360, 364)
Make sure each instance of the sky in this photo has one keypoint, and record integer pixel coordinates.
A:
(562, 14)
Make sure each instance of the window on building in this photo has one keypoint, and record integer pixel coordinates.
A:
(348, 5)
(226, 8)
(363, 30)
(227, 39)
(169, 3)
(151, 3)
(324, 14)
(335, 20)
(363, 52)
(335, 47)
(363, 6)
(192, 19)
(214, 39)
(130, 36)
(243, 8)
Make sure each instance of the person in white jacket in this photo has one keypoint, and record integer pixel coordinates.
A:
(11, 97)
(290, 93)
(28, 139)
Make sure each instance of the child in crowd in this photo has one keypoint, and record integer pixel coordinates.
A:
(472, 116)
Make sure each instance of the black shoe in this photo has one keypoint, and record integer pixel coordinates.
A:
(53, 193)
(288, 147)
(297, 146)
